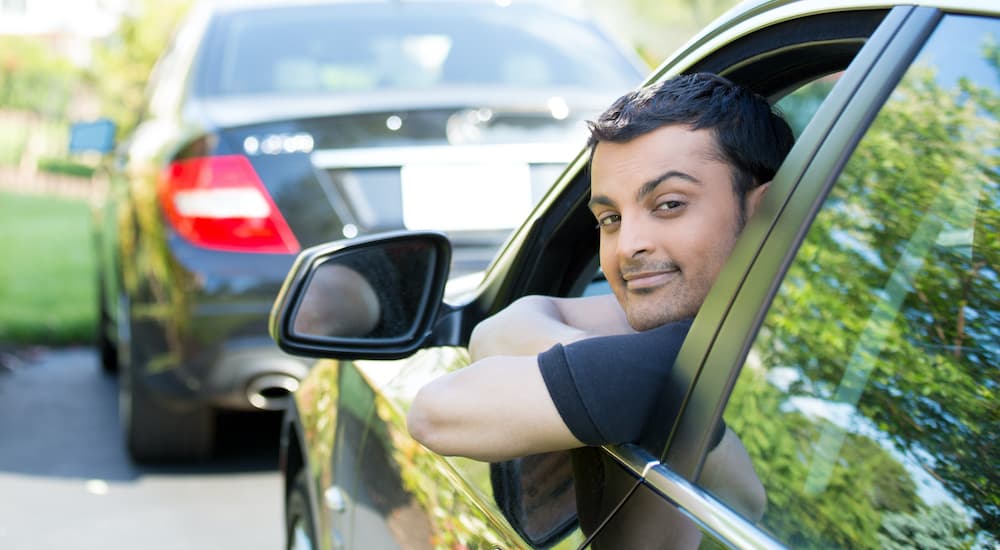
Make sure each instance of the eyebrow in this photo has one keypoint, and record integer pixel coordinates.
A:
(647, 187)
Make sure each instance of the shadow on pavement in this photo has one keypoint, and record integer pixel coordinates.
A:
(59, 418)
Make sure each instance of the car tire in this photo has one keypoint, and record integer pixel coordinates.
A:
(300, 533)
(155, 430)
(105, 346)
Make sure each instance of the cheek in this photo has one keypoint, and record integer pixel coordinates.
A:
(711, 253)
(609, 265)
(715, 228)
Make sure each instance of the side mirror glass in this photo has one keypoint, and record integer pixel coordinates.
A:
(372, 298)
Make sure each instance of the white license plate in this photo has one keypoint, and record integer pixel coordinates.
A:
(465, 196)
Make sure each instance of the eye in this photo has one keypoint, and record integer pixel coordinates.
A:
(608, 220)
(670, 205)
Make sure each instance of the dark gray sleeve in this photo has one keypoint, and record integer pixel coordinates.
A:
(605, 388)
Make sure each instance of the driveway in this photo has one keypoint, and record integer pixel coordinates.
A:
(66, 481)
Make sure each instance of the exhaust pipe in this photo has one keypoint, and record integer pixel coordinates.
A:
(271, 392)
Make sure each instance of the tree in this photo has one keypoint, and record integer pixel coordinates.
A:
(891, 311)
(123, 61)
(34, 78)
(940, 527)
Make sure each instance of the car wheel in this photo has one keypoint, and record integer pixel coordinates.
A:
(105, 346)
(155, 430)
(300, 533)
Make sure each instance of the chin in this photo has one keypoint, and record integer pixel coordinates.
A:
(642, 322)
(649, 318)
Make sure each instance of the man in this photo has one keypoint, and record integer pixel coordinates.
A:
(676, 169)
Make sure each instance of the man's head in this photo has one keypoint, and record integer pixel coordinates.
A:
(676, 169)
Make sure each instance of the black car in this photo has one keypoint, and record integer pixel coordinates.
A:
(273, 126)
(850, 340)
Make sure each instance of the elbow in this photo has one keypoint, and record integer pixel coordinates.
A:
(479, 340)
(425, 421)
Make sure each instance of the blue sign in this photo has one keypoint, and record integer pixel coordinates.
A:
(98, 136)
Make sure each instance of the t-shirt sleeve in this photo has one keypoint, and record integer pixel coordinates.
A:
(605, 388)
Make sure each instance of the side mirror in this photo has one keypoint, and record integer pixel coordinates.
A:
(97, 136)
(377, 297)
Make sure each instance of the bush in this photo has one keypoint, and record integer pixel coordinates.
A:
(65, 167)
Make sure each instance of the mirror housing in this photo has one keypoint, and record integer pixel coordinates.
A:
(375, 297)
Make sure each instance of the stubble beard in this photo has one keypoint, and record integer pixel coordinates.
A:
(644, 310)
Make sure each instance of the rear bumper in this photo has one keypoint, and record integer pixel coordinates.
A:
(207, 343)
(241, 374)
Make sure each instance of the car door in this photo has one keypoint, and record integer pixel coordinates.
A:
(851, 340)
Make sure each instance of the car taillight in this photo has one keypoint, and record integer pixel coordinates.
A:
(219, 202)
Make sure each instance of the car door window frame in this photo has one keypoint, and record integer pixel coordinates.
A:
(912, 247)
(805, 180)
(887, 53)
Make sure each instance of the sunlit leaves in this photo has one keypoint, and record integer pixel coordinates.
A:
(892, 310)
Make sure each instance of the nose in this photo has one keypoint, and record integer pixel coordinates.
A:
(634, 237)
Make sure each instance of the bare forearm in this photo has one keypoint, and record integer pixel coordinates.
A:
(533, 324)
(499, 407)
(495, 409)
(529, 326)
(729, 474)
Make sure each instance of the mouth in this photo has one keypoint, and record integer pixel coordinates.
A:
(648, 279)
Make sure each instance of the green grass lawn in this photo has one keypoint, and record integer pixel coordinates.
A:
(47, 278)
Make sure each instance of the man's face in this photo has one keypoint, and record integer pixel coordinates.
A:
(668, 219)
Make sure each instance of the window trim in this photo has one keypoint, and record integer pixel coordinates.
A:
(707, 511)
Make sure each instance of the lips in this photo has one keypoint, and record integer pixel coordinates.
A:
(648, 279)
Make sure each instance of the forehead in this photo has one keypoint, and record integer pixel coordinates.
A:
(649, 156)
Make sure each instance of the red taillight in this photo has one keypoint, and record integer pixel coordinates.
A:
(220, 203)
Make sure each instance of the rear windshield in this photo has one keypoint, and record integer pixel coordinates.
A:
(358, 48)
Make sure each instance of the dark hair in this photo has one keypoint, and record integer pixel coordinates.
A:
(751, 137)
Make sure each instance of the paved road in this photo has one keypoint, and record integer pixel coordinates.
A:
(66, 482)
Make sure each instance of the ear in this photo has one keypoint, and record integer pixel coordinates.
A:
(754, 197)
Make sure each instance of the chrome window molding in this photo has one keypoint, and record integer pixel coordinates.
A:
(708, 512)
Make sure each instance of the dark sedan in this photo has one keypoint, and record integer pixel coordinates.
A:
(270, 127)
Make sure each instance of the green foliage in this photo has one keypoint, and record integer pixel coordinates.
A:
(123, 62)
(697, 13)
(34, 78)
(890, 312)
(47, 284)
(941, 526)
(656, 28)
(925, 385)
(65, 167)
(799, 107)
(864, 482)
